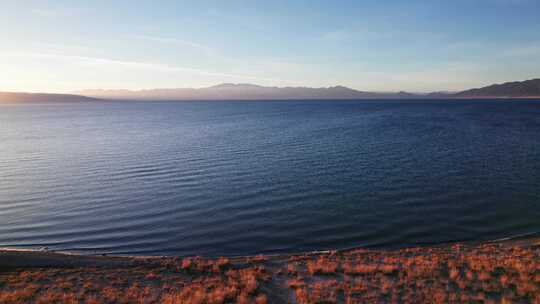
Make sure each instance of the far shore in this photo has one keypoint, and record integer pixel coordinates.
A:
(491, 272)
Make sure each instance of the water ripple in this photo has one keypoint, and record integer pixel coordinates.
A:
(235, 178)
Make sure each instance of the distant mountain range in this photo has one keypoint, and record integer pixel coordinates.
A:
(12, 97)
(229, 91)
(529, 88)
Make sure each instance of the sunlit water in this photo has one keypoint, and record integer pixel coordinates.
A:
(236, 178)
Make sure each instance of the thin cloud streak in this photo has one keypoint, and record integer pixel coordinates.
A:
(105, 62)
(532, 50)
(54, 12)
(178, 42)
(46, 13)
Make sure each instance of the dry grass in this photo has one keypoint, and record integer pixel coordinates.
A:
(322, 265)
(483, 274)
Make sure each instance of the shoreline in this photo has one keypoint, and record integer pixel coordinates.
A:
(491, 272)
(37, 256)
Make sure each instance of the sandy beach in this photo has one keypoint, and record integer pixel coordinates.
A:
(502, 272)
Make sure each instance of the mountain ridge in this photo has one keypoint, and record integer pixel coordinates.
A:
(508, 89)
(16, 97)
(246, 91)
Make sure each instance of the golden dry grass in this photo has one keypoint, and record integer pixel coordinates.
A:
(493, 273)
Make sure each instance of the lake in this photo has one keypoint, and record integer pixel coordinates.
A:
(238, 178)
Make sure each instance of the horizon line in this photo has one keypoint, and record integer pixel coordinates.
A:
(77, 91)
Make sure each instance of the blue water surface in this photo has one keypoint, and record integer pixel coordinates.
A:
(238, 178)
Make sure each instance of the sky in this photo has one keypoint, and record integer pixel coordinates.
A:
(417, 46)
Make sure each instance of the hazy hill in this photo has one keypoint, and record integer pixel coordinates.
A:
(527, 88)
(243, 92)
(229, 91)
(13, 97)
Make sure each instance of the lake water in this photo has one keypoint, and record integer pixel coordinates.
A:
(237, 178)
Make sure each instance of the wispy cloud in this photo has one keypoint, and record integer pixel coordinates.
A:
(344, 35)
(347, 35)
(63, 48)
(45, 12)
(531, 50)
(338, 36)
(178, 42)
(97, 62)
(54, 12)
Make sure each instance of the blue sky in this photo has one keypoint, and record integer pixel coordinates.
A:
(61, 46)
